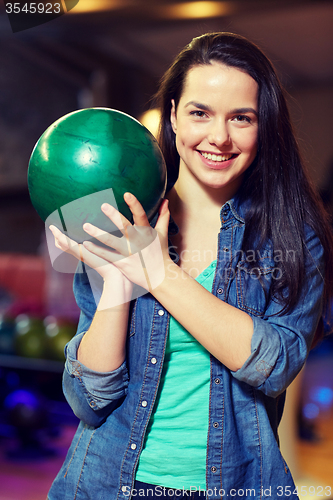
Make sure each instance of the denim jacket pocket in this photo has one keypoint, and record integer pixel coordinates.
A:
(253, 284)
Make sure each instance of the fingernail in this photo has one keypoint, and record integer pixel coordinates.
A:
(129, 196)
(106, 207)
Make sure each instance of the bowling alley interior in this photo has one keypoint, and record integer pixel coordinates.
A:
(112, 54)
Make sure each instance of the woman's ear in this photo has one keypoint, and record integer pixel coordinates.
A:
(173, 118)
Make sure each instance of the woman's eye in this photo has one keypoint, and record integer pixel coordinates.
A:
(198, 113)
(243, 118)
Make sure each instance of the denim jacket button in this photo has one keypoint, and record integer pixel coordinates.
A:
(161, 312)
(217, 381)
(92, 404)
(124, 488)
(213, 469)
(154, 361)
(144, 404)
(133, 446)
(215, 424)
(220, 290)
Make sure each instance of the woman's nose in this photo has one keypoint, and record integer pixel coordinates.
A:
(219, 134)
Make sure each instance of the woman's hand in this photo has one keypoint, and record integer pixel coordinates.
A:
(142, 252)
(66, 244)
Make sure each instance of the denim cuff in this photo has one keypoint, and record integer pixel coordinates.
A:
(265, 349)
(105, 386)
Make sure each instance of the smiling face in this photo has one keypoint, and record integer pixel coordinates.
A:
(216, 126)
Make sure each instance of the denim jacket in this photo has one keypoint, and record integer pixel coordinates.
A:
(243, 456)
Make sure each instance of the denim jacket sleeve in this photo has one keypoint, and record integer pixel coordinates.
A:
(92, 395)
(281, 343)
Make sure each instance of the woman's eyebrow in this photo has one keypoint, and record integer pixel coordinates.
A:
(205, 107)
(198, 105)
(241, 111)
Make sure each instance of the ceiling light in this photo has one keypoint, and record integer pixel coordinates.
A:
(99, 5)
(192, 10)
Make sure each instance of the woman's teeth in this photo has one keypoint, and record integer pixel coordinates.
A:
(213, 157)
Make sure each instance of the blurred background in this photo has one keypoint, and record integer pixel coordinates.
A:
(112, 53)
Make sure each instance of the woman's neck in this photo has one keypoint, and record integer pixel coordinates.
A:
(190, 196)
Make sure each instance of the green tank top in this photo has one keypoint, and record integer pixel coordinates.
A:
(174, 451)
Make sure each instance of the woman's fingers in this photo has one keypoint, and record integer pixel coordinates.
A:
(66, 244)
(63, 242)
(118, 247)
(107, 239)
(116, 217)
(102, 253)
(162, 224)
(81, 252)
(140, 253)
(139, 215)
(135, 237)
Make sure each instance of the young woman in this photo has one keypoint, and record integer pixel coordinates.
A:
(180, 392)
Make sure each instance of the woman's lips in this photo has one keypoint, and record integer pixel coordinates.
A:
(217, 160)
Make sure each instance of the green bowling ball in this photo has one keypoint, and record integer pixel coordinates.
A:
(89, 157)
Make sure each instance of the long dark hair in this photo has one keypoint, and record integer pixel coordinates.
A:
(282, 197)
